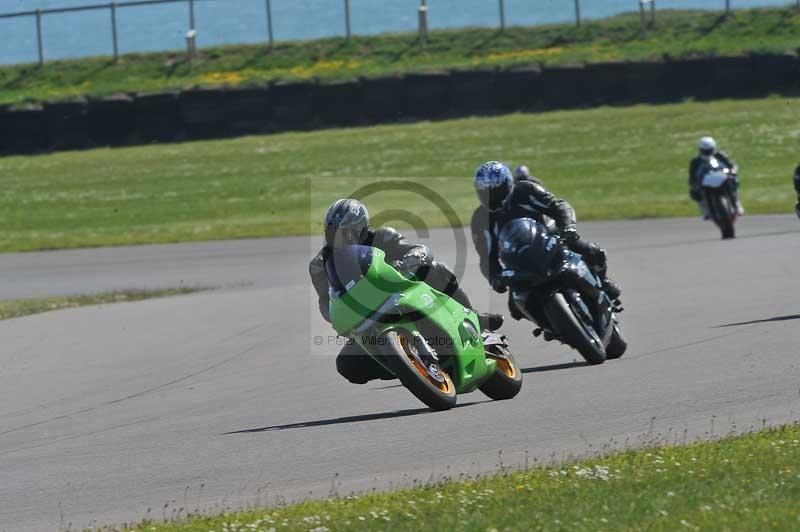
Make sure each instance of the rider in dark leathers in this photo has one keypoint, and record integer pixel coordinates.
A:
(523, 173)
(707, 147)
(797, 189)
(347, 222)
(502, 200)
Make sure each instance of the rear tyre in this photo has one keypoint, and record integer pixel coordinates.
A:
(617, 345)
(506, 382)
(398, 356)
(573, 330)
(722, 212)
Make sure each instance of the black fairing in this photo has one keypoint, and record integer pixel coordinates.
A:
(532, 252)
(346, 266)
(537, 265)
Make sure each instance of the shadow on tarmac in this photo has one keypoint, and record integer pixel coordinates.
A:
(768, 320)
(347, 419)
(555, 367)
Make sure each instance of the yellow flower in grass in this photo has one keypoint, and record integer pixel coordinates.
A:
(542, 53)
(225, 78)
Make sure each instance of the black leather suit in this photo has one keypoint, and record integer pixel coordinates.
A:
(695, 179)
(352, 363)
(797, 189)
(797, 181)
(529, 200)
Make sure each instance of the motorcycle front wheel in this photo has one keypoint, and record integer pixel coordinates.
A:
(574, 330)
(400, 353)
(506, 382)
(617, 345)
(721, 211)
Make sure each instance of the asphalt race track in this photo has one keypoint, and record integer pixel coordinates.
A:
(222, 399)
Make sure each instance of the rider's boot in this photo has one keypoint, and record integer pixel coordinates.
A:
(489, 321)
(703, 211)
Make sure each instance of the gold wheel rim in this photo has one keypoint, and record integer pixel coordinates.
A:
(446, 386)
(505, 365)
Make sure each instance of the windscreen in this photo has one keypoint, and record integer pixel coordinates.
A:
(346, 266)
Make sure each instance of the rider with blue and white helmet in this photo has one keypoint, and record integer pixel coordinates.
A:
(503, 199)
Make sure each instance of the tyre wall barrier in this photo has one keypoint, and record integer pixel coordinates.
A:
(112, 121)
(213, 113)
(67, 124)
(157, 117)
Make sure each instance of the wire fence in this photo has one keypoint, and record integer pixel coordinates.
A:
(414, 15)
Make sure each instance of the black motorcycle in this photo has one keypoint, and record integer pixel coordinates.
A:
(553, 287)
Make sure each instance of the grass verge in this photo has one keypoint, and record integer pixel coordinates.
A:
(27, 307)
(610, 163)
(749, 482)
(677, 34)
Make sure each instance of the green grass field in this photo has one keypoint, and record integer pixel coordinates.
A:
(677, 34)
(27, 307)
(749, 482)
(610, 163)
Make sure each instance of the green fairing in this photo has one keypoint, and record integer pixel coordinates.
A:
(469, 368)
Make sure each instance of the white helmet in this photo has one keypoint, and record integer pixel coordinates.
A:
(707, 145)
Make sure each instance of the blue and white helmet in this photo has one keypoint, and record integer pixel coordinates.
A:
(494, 184)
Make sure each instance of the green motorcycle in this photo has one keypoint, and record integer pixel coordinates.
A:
(426, 339)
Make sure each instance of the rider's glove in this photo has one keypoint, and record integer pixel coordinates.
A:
(410, 264)
(570, 235)
(594, 255)
(498, 285)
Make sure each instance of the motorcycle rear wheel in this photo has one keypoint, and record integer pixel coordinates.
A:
(397, 347)
(581, 336)
(506, 382)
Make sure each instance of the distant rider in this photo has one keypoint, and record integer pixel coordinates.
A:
(504, 199)
(523, 173)
(347, 223)
(707, 147)
(797, 189)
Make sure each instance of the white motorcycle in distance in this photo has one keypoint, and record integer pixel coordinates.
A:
(719, 198)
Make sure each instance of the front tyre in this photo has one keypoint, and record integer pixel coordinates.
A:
(574, 330)
(617, 345)
(506, 382)
(721, 210)
(399, 354)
